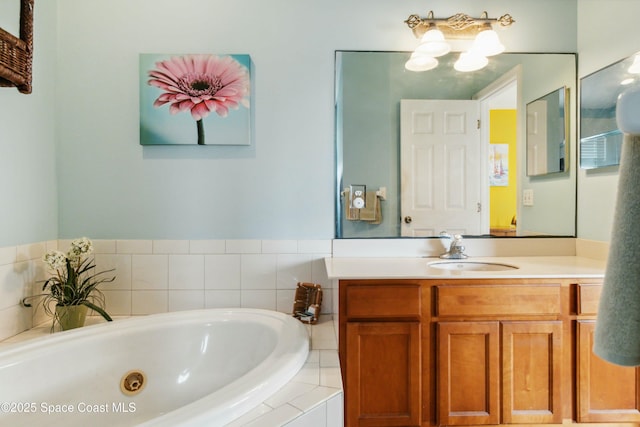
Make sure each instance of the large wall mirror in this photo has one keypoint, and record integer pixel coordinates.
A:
(443, 150)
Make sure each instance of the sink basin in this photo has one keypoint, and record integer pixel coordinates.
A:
(463, 265)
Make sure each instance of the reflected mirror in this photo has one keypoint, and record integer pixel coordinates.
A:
(547, 134)
(445, 150)
(600, 138)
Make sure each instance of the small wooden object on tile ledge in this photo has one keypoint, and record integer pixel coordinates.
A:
(307, 302)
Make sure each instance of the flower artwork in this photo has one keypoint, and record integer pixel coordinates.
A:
(199, 99)
(499, 165)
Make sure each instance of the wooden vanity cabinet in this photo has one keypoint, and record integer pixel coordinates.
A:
(478, 352)
(384, 376)
(606, 392)
(499, 352)
(380, 351)
(481, 381)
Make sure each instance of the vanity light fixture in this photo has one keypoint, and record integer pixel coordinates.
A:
(433, 32)
(487, 42)
(433, 43)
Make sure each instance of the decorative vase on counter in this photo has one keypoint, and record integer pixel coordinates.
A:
(71, 316)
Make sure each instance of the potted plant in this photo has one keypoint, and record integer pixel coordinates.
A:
(73, 285)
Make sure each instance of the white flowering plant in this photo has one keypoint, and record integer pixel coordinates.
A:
(74, 280)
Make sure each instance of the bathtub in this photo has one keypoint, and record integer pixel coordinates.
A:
(190, 368)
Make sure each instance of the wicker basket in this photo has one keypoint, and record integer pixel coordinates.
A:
(307, 302)
(16, 54)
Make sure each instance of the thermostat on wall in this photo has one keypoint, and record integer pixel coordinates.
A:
(357, 193)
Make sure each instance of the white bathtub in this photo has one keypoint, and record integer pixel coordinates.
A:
(201, 367)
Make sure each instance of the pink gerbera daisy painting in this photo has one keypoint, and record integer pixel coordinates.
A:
(185, 97)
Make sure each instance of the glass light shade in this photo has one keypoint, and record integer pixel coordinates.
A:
(420, 62)
(470, 61)
(433, 43)
(487, 43)
(635, 67)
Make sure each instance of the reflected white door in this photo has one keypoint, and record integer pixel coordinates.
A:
(537, 137)
(440, 167)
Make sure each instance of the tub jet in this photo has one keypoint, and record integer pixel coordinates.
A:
(132, 382)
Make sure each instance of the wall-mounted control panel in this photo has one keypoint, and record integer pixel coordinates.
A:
(357, 194)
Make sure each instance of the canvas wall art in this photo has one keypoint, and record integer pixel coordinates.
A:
(499, 165)
(195, 99)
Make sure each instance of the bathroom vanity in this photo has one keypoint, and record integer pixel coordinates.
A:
(421, 346)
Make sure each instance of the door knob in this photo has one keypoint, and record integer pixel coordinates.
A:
(407, 219)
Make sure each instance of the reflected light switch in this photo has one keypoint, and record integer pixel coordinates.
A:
(527, 197)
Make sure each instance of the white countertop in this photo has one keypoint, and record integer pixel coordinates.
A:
(418, 268)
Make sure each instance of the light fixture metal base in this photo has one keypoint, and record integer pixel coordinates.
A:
(458, 26)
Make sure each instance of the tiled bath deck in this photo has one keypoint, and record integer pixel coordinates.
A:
(313, 398)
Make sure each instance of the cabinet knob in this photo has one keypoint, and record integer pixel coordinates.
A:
(408, 219)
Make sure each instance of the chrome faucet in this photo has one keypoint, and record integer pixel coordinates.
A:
(456, 249)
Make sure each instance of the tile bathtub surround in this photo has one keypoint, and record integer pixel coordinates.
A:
(21, 273)
(155, 276)
(314, 397)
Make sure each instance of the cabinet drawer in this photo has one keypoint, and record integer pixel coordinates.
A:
(383, 301)
(497, 300)
(588, 298)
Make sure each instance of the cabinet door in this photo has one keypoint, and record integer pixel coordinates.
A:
(606, 392)
(383, 375)
(468, 373)
(531, 372)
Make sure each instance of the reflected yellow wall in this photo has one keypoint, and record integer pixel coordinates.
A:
(504, 199)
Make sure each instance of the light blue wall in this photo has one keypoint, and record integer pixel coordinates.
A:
(28, 194)
(282, 186)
